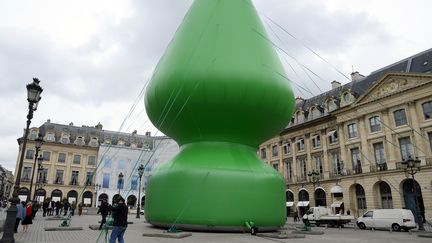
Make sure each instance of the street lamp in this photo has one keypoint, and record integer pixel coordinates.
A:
(3, 175)
(314, 177)
(39, 179)
(96, 188)
(33, 97)
(120, 181)
(411, 167)
(38, 145)
(140, 174)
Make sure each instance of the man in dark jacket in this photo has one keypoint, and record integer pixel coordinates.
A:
(119, 213)
(104, 209)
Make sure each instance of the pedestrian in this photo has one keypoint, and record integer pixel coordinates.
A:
(57, 207)
(72, 208)
(80, 208)
(296, 217)
(52, 207)
(104, 209)
(45, 208)
(49, 208)
(20, 215)
(28, 216)
(66, 206)
(119, 213)
(34, 209)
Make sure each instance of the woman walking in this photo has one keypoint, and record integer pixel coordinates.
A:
(28, 216)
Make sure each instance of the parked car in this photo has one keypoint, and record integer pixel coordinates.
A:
(396, 219)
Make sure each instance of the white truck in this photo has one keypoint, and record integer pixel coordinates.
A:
(321, 216)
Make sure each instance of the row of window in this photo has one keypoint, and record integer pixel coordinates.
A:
(399, 115)
(59, 177)
(337, 166)
(121, 164)
(62, 157)
(120, 182)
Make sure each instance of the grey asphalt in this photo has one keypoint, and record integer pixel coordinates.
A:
(37, 234)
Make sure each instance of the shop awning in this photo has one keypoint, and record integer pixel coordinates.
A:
(336, 189)
(302, 203)
(336, 204)
(289, 204)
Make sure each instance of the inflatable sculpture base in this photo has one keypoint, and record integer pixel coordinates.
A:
(219, 91)
(225, 191)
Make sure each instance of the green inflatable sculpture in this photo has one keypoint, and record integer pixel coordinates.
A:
(219, 91)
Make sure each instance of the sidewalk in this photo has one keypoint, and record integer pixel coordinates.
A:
(134, 233)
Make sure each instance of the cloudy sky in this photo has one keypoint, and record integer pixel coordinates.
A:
(94, 57)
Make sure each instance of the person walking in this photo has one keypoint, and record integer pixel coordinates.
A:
(66, 206)
(57, 207)
(49, 208)
(119, 213)
(45, 208)
(72, 208)
(80, 208)
(35, 208)
(28, 216)
(104, 209)
(20, 215)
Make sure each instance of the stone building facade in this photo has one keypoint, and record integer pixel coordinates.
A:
(71, 160)
(356, 136)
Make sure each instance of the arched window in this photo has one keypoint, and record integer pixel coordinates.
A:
(346, 97)
(361, 198)
(386, 196)
(289, 196)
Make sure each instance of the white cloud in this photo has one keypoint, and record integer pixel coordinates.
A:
(93, 57)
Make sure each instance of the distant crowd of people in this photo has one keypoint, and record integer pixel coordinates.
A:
(26, 211)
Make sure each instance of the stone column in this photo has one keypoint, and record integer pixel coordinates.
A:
(366, 159)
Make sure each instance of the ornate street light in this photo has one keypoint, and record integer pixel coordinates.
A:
(33, 97)
(314, 177)
(411, 167)
(38, 145)
(140, 174)
(120, 181)
(96, 188)
(38, 178)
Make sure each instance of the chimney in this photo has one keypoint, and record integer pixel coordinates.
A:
(356, 76)
(99, 126)
(298, 100)
(335, 84)
(71, 124)
(148, 134)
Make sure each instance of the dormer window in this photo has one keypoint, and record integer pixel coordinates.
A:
(50, 137)
(65, 139)
(93, 142)
(33, 134)
(346, 97)
(314, 113)
(79, 141)
(121, 142)
(299, 117)
(107, 141)
(331, 105)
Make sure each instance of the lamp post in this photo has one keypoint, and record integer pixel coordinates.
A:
(3, 175)
(38, 145)
(140, 174)
(411, 167)
(120, 181)
(33, 98)
(314, 177)
(96, 188)
(39, 180)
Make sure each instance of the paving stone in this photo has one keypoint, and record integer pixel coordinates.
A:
(70, 228)
(177, 235)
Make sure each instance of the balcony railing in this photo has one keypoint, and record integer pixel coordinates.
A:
(357, 169)
(58, 182)
(428, 161)
(378, 167)
(25, 179)
(73, 183)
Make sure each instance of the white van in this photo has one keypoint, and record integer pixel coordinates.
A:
(396, 219)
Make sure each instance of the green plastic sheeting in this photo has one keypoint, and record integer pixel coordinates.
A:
(219, 91)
